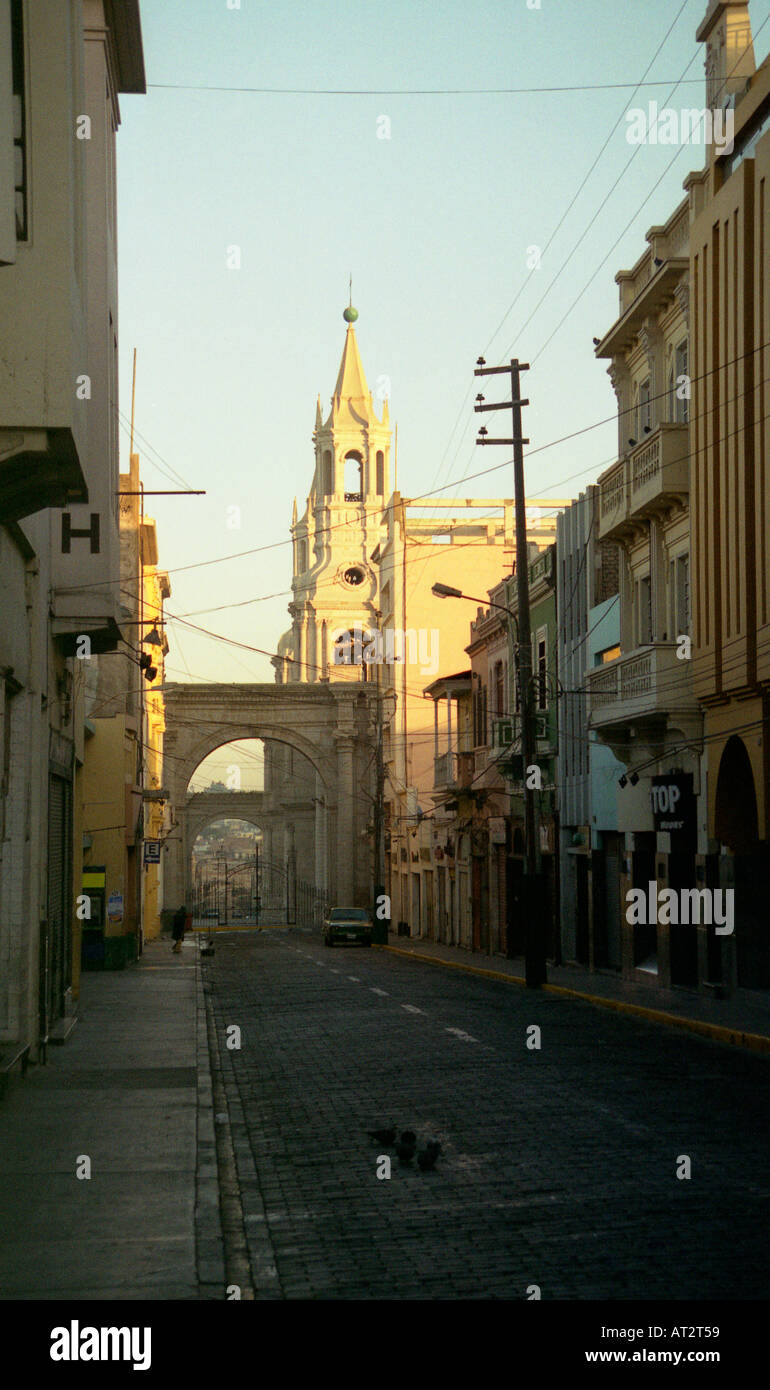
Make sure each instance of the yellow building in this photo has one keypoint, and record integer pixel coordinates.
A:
(122, 776)
(729, 208)
(156, 588)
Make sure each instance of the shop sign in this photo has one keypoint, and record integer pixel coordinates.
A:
(673, 802)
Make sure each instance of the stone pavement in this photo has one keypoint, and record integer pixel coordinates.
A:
(131, 1092)
(742, 1020)
(561, 1164)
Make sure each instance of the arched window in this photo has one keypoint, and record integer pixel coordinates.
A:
(352, 647)
(499, 689)
(353, 476)
(380, 473)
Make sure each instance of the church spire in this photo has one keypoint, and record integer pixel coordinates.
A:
(351, 381)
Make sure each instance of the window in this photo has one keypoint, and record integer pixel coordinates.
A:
(499, 689)
(541, 668)
(13, 133)
(480, 716)
(644, 611)
(682, 407)
(645, 408)
(680, 594)
(19, 120)
(380, 473)
(353, 485)
(301, 557)
(327, 476)
(608, 654)
(353, 576)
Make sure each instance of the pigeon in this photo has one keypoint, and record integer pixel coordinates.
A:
(408, 1136)
(426, 1158)
(383, 1136)
(405, 1151)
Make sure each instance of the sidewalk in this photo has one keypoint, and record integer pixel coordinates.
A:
(131, 1091)
(743, 1020)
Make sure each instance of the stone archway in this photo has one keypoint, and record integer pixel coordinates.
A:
(330, 724)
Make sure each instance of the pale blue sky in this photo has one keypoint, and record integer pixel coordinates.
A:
(434, 225)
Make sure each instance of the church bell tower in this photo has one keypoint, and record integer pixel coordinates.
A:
(335, 598)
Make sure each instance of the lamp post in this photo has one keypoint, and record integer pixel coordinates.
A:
(534, 899)
(380, 934)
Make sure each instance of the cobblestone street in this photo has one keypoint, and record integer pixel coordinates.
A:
(558, 1166)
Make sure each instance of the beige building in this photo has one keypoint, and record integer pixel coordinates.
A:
(729, 209)
(641, 700)
(62, 66)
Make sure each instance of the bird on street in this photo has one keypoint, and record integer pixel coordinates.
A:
(383, 1136)
(408, 1136)
(405, 1151)
(426, 1158)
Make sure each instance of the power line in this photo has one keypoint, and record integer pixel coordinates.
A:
(408, 91)
(677, 154)
(415, 500)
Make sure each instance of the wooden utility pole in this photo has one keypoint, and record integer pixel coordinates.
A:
(534, 896)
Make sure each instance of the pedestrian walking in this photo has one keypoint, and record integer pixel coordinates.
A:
(178, 928)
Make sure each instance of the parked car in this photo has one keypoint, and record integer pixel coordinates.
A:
(349, 924)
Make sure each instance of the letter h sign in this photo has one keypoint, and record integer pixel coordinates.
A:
(68, 531)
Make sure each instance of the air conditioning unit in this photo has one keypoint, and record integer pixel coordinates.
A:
(508, 730)
(504, 732)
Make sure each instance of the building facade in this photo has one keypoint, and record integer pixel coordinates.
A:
(729, 210)
(587, 771)
(62, 66)
(642, 703)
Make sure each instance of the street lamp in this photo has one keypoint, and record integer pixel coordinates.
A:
(534, 888)
(446, 591)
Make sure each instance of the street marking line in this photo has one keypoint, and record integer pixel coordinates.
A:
(355, 979)
(412, 1009)
(458, 1032)
(383, 992)
(333, 972)
(715, 1032)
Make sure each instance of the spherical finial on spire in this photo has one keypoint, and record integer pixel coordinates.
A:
(350, 314)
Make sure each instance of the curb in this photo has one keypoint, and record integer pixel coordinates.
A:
(716, 1032)
(209, 1240)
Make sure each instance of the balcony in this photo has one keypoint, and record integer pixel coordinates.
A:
(39, 468)
(648, 684)
(652, 478)
(452, 771)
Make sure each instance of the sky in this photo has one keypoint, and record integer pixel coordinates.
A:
(435, 224)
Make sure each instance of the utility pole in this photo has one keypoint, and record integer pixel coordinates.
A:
(534, 897)
(256, 883)
(379, 816)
